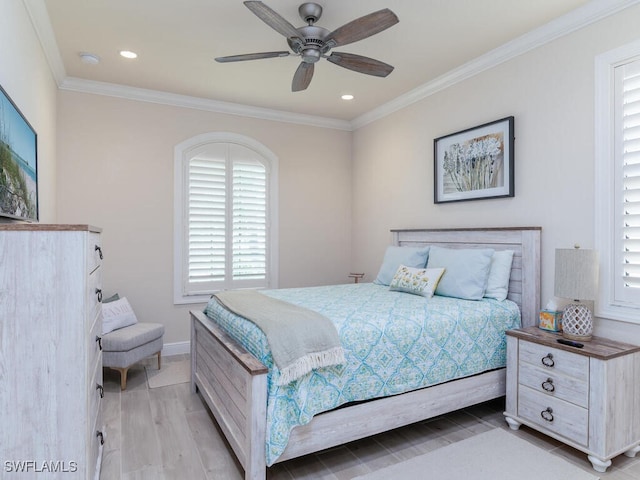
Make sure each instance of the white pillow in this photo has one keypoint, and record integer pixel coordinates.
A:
(117, 314)
(498, 281)
(418, 281)
(466, 271)
(415, 257)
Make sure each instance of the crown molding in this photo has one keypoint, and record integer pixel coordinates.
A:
(559, 27)
(185, 101)
(39, 15)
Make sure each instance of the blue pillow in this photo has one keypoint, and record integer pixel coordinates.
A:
(466, 271)
(415, 257)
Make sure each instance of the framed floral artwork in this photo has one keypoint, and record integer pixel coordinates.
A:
(476, 163)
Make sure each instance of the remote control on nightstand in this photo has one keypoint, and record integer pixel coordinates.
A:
(570, 343)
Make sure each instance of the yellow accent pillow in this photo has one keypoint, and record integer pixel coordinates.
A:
(417, 281)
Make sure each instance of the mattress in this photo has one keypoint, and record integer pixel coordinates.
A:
(394, 342)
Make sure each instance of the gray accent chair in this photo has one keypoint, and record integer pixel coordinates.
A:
(126, 346)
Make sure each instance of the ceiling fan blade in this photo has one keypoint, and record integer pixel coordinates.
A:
(360, 64)
(302, 77)
(362, 27)
(251, 56)
(273, 19)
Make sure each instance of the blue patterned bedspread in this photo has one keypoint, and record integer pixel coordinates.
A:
(394, 342)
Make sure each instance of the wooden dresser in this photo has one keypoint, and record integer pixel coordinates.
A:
(585, 397)
(50, 360)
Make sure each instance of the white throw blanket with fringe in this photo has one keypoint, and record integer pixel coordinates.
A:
(300, 339)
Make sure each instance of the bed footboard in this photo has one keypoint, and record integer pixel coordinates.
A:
(234, 386)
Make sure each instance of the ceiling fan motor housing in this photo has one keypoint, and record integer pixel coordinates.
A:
(313, 46)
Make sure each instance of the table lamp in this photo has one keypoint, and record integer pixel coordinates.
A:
(576, 278)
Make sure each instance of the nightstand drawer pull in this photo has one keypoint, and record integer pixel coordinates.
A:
(548, 385)
(99, 250)
(547, 361)
(99, 434)
(99, 294)
(99, 340)
(547, 414)
(101, 389)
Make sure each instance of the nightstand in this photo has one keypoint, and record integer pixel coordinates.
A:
(585, 397)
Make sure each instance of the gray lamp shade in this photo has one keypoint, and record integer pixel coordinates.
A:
(576, 274)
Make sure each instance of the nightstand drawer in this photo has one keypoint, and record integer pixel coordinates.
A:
(555, 360)
(555, 384)
(555, 415)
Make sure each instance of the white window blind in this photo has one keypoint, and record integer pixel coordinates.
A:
(627, 162)
(225, 216)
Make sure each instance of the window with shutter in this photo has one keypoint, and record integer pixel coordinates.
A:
(225, 218)
(617, 189)
(627, 153)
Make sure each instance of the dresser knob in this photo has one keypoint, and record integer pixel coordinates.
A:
(547, 361)
(101, 389)
(99, 250)
(547, 414)
(99, 434)
(548, 385)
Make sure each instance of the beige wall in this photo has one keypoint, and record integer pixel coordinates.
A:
(115, 170)
(550, 91)
(26, 77)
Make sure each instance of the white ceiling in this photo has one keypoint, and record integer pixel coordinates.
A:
(177, 41)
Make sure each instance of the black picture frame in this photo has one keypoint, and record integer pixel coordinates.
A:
(476, 163)
(18, 163)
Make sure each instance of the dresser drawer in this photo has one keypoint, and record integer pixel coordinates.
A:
(95, 392)
(93, 346)
(94, 252)
(96, 448)
(554, 383)
(555, 360)
(563, 418)
(94, 295)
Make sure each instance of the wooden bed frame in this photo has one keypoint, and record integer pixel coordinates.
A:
(233, 383)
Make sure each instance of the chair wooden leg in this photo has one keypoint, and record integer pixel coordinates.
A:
(159, 359)
(123, 376)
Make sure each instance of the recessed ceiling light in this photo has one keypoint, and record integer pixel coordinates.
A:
(347, 96)
(128, 54)
(89, 58)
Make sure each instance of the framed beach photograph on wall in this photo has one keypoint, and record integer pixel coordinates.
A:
(476, 163)
(18, 163)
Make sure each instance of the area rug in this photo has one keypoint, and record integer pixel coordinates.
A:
(171, 373)
(493, 455)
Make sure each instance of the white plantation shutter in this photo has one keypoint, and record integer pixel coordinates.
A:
(627, 153)
(225, 207)
(249, 221)
(206, 222)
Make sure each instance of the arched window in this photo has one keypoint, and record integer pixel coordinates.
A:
(225, 227)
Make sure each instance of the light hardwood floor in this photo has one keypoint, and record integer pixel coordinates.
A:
(167, 433)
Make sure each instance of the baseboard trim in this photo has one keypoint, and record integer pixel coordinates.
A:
(177, 348)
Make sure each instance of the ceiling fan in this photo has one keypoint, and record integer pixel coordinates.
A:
(312, 43)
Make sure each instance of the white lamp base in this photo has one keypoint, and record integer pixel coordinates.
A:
(577, 323)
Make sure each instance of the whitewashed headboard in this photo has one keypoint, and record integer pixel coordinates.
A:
(524, 284)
